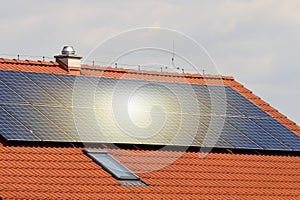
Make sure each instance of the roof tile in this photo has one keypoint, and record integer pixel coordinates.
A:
(56, 172)
(30, 65)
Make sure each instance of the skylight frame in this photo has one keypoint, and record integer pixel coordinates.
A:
(111, 165)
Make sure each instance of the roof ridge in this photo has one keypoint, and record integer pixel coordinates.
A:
(155, 73)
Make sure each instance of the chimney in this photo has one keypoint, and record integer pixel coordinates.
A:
(68, 60)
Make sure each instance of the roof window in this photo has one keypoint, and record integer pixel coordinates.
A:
(114, 167)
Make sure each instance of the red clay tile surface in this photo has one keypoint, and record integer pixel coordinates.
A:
(66, 173)
(31, 65)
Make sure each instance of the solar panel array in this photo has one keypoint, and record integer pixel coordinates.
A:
(68, 108)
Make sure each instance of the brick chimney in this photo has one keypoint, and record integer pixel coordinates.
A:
(68, 60)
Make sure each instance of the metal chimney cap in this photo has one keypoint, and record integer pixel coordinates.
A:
(68, 50)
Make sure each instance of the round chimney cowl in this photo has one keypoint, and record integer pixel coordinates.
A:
(68, 50)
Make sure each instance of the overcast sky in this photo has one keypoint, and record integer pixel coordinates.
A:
(257, 42)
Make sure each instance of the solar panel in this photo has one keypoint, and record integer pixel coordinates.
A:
(66, 78)
(87, 117)
(38, 124)
(158, 97)
(242, 104)
(53, 86)
(216, 103)
(26, 88)
(218, 94)
(57, 107)
(107, 127)
(280, 132)
(206, 137)
(189, 94)
(256, 133)
(84, 90)
(229, 133)
(180, 129)
(9, 96)
(104, 92)
(11, 129)
(132, 133)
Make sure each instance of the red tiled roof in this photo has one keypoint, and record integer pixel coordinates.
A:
(31, 65)
(62, 172)
(66, 173)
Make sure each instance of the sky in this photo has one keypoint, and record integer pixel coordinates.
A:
(256, 41)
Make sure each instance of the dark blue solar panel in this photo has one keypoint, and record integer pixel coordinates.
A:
(216, 103)
(280, 132)
(202, 94)
(60, 116)
(206, 137)
(9, 96)
(74, 126)
(104, 92)
(26, 88)
(229, 133)
(11, 129)
(242, 104)
(38, 124)
(87, 125)
(187, 98)
(256, 133)
(200, 98)
(83, 89)
(54, 86)
(181, 129)
(96, 109)
(66, 78)
(219, 93)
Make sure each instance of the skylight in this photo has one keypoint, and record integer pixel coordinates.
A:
(114, 167)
